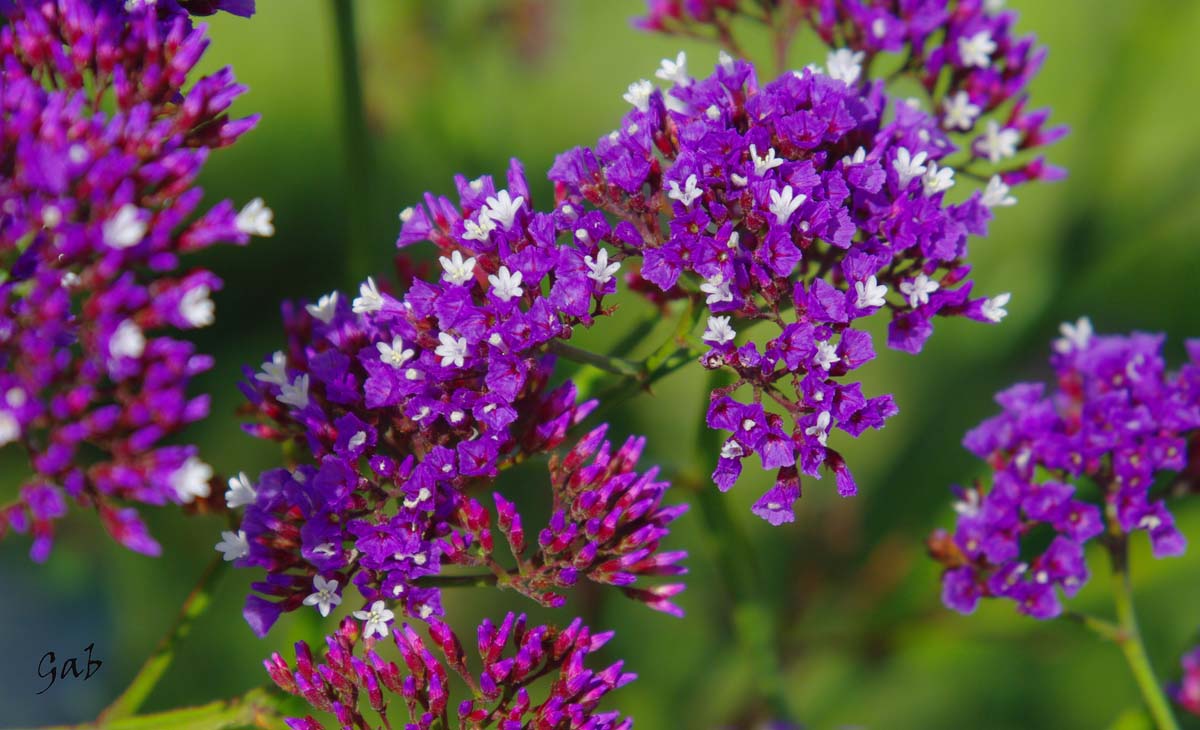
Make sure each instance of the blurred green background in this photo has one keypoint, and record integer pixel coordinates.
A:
(462, 86)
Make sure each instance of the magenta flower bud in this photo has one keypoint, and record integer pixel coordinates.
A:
(278, 670)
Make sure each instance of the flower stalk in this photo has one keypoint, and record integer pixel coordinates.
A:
(356, 141)
(1129, 637)
(135, 695)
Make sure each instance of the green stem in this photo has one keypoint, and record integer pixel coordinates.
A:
(144, 682)
(1130, 639)
(615, 365)
(1104, 629)
(481, 580)
(356, 142)
(755, 625)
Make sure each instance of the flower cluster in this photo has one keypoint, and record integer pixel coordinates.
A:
(1118, 421)
(606, 525)
(809, 203)
(100, 148)
(1187, 692)
(514, 656)
(408, 402)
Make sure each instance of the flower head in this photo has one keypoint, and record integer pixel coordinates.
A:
(107, 127)
(1120, 420)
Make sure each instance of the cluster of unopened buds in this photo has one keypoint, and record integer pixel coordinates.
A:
(514, 656)
(106, 128)
(1118, 419)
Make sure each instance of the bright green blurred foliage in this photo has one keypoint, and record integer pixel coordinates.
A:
(462, 85)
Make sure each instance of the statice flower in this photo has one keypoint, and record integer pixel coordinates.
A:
(806, 205)
(514, 656)
(406, 402)
(606, 525)
(1119, 421)
(1187, 692)
(963, 52)
(105, 131)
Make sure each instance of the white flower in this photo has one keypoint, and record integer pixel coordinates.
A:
(324, 595)
(998, 143)
(783, 204)
(295, 393)
(407, 214)
(233, 545)
(937, 180)
(375, 620)
(478, 231)
(977, 50)
(506, 284)
(126, 228)
(994, 309)
(674, 71)
(369, 299)
(502, 208)
(738, 180)
(255, 219)
(844, 65)
(191, 479)
(394, 354)
(820, 429)
(996, 194)
(713, 112)
(718, 331)
(764, 164)
(457, 270)
(16, 397)
(452, 350)
(731, 450)
(639, 94)
(241, 491)
(127, 340)
(599, 270)
(325, 308)
(688, 194)
(969, 505)
(918, 290)
(422, 495)
(717, 289)
(859, 157)
(725, 60)
(993, 6)
(10, 428)
(196, 307)
(870, 293)
(960, 113)
(826, 355)
(1074, 336)
(908, 166)
(51, 216)
(274, 372)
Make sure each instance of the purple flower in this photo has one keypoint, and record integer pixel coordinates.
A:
(405, 401)
(805, 204)
(350, 678)
(1118, 419)
(96, 208)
